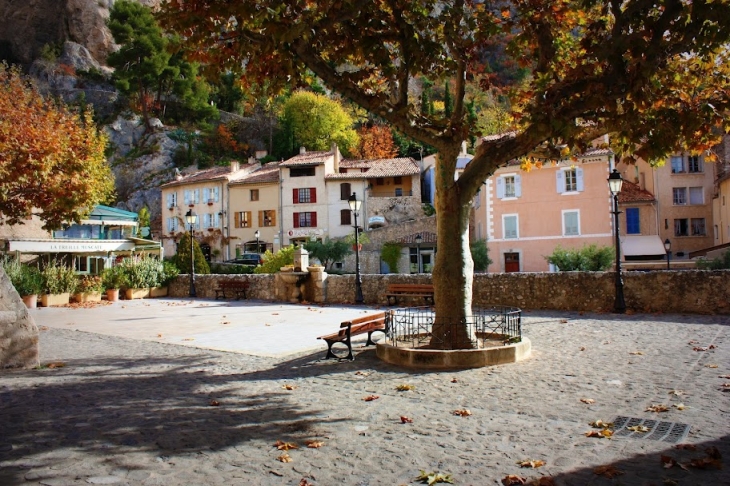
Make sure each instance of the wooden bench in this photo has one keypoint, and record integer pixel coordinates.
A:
(366, 324)
(228, 288)
(394, 291)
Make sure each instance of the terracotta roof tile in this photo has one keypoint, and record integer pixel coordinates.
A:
(631, 192)
(404, 166)
(426, 236)
(218, 173)
(266, 174)
(308, 158)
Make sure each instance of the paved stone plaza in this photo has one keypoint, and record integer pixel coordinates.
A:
(175, 392)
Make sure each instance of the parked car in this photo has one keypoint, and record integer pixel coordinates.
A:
(252, 259)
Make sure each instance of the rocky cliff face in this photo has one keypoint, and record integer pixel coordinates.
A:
(27, 25)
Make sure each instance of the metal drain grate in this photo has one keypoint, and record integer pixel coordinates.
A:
(665, 431)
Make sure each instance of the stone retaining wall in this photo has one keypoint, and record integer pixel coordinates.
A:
(692, 291)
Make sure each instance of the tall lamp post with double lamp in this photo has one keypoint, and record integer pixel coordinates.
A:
(419, 239)
(191, 219)
(258, 248)
(355, 208)
(614, 184)
(668, 249)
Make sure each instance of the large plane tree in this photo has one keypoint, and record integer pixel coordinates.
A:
(654, 74)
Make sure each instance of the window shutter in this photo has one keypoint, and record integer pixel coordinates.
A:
(206, 194)
(296, 219)
(216, 194)
(560, 180)
(237, 220)
(518, 185)
(186, 197)
(344, 191)
(196, 196)
(579, 178)
(295, 196)
(313, 195)
(272, 217)
(169, 200)
(314, 219)
(344, 217)
(500, 187)
(261, 219)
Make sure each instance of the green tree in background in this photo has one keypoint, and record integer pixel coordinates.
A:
(182, 257)
(328, 251)
(480, 255)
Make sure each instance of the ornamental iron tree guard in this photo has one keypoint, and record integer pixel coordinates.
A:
(191, 219)
(355, 208)
(614, 184)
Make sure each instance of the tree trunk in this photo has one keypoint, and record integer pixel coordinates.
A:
(453, 272)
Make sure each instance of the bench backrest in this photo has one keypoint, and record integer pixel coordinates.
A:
(410, 288)
(365, 323)
(229, 284)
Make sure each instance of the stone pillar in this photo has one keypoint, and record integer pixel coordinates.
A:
(18, 332)
(316, 286)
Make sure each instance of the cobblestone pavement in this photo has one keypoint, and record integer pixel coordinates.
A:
(131, 411)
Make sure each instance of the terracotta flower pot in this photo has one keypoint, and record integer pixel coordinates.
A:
(30, 301)
(112, 295)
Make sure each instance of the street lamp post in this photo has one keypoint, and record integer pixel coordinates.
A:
(668, 249)
(614, 184)
(419, 239)
(355, 208)
(258, 248)
(191, 219)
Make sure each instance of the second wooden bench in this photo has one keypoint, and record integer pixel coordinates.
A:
(394, 291)
(231, 287)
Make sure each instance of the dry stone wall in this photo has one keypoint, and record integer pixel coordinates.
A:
(693, 292)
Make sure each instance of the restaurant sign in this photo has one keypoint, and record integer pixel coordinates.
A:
(59, 246)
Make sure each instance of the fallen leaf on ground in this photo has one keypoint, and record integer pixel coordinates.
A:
(434, 477)
(285, 446)
(314, 444)
(454, 380)
(304, 482)
(711, 365)
(713, 459)
(676, 392)
(406, 420)
(362, 373)
(605, 433)
(159, 335)
(657, 408)
(600, 424)
(370, 398)
(513, 480)
(532, 464)
(462, 412)
(563, 321)
(727, 377)
(700, 348)
(693, 341)
(405, 387)
(43, 328)
(57, 364)
(274, 313)
(582, 348)
(668, 462)
(189, 339)
(543, 481)
(679, 406)
(636, 353)
(638, 428)
(285, 458)
(688, 447)
(289, 387)
(589, 401)
(226, 322)
(214, 403)
(607, 471)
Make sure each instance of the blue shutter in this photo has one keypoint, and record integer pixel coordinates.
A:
(500, 187)
(579, 178)
(560, 181)
(633, 226)
(518, 185)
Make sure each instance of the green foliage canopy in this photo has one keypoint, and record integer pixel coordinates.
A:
(182, 257)
(590, 258)
(328, 251)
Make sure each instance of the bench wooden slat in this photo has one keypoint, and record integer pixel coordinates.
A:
(361, 325)
(409, 290)
(238, 287)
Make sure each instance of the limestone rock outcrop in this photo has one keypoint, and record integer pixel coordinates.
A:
(18, 332)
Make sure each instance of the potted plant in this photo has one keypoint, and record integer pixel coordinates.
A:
(140, 274)
(165, 277)
(58, 282)
(27, 281)
(362, 239)
(112, 279)
(88, 289)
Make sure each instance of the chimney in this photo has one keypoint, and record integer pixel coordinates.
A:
(336, 152)
(235, 166)
(302, 150)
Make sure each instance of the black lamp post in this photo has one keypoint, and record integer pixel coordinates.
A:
(355, 208)
(419, 239)
(668, 249)
(258, 248)
(614, 184)
(191, 219)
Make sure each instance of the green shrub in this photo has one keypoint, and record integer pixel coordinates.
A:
(89, 283)
(58, 278)
(231, 269)
(169, 273)
(141, 272)
(590, 258)
(112, 278)
(27, 280)
(390, 254)
(274, 261)
(182, 257)
(480, 255)
(720, 263)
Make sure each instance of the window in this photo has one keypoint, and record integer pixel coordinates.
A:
(305, 220)
(345, 191)
(242, 219)
(694, 164)
(677, 164)
(398, 180)
(571, 223)
(510, 226)
(171, 225)
(192, 196)
(509, 186)
(633, 224)
(398, 192)
(210, 195)
(680, 227)
(696, 195)
(379, 181)
(210, 220)
(254, 194)
(698, 227)
(172, 200)
(569, 180)
(267, 218)
(304, 195)
(301, 171)
(679, 196)
(345, 217)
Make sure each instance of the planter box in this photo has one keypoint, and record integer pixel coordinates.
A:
(87, 297)
(30, 301)
(158, 292)
(130, 294)
(48, 300)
